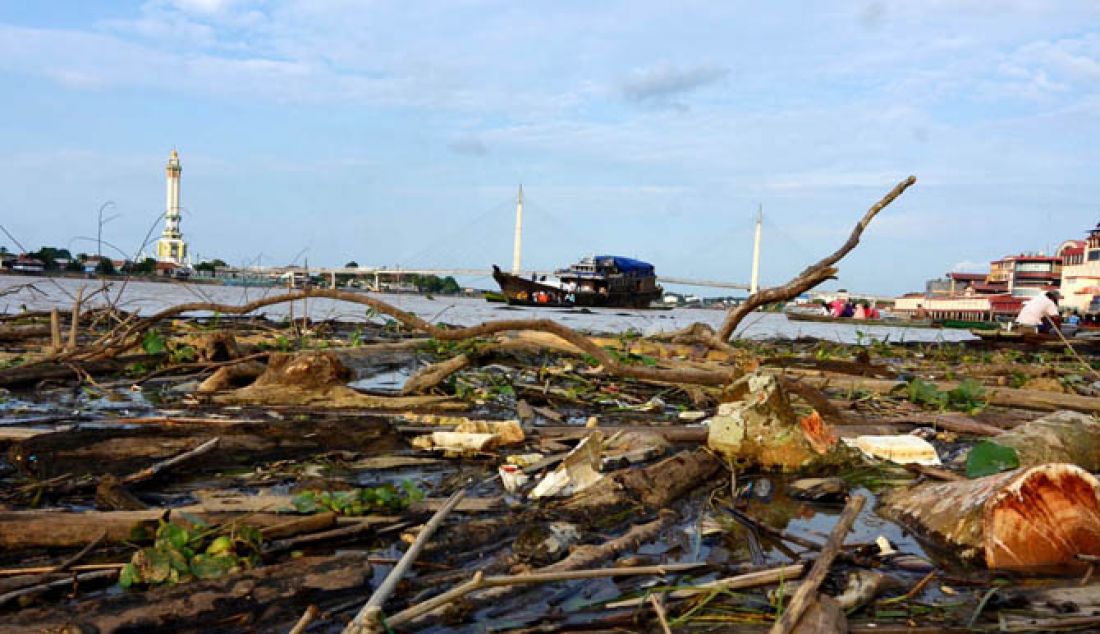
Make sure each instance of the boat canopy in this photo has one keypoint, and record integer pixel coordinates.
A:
(627, 265)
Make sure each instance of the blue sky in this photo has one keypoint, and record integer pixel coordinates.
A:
(396, 133)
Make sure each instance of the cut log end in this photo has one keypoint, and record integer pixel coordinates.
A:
(1043, 520)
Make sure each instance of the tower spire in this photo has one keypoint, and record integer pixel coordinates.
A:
(754, 285)
(518, 242)
(171, 247)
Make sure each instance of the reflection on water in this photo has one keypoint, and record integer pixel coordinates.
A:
(149, 297)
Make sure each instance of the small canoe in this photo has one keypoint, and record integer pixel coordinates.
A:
(894, 323)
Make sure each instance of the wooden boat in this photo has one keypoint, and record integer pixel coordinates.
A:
(606, 281)
(1040, 340)
(893, 322)
(970, 325)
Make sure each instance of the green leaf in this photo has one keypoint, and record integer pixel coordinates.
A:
(212, 566)
(129, 576)
(220, 546)
(153, 566)
(987, 458)
(305, 502)
(174, 535)
(152, 342)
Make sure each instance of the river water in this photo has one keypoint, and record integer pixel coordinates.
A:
(43, 293)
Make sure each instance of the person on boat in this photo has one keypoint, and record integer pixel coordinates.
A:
(1074, 319)
(1041, 312)
(849, 310)
(837, 308)
(860, 312)
(920, 313)
(872, 312)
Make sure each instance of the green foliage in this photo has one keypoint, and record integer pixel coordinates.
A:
(356, 338)
(183, 353)
(210, 266)
(448, 349)
(385, 498)
(153, 342)
(987, 458)
(50, 255)
(105, 267)
(630, 358)
(967, 397)
(282, 344)
(181, 553)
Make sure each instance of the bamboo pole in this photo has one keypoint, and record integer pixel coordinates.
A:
(804, 596)
(369, 618)
(55, 331)
(480, 581)
(74, 321)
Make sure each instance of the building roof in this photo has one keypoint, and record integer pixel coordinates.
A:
(968, 277)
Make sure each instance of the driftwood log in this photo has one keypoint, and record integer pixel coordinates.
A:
(319, 379)
(582, 557)
(61, 529)
(269, 598)
(1036, 400)
(123, 451)
(653, 487)
(1063, 436)
(1034, 519)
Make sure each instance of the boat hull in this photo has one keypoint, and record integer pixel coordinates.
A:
(898, 323)
(520, 291)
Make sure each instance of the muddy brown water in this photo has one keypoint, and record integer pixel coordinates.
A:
(149, 297)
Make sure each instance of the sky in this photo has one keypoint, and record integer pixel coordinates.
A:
(396, 133)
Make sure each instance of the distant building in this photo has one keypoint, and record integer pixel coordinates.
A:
(24, 264)
(1081, 270)
(171, 247)
(954, 283)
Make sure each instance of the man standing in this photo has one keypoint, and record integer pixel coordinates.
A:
(1040, 312)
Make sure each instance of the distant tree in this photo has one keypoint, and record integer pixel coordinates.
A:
(210, 266)
(351, 265)
(449, 286)
(50, 255)
(146, 266)
(74, 265)
(105, 267)
(4, 250)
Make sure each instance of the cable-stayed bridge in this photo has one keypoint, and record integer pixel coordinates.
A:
(377, 274)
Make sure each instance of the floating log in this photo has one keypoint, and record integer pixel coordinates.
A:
(267, 599)
(319, 379)
(33, 373)
(1003, 396)
(17, 333)
(1063, 436)
(124, 451)
(61, 529)
(653, 487)
(1034, 519)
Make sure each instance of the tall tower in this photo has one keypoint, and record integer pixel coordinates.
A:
(170, 246)
(518, 242)
(755, 284)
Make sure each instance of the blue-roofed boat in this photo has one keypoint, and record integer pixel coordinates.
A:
(610, 281)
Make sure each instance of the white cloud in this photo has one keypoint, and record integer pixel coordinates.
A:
(662, 84)
(968, 266)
